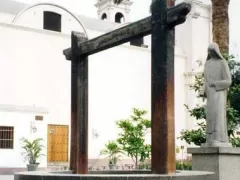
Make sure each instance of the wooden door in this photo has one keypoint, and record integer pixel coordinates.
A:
(57, 143)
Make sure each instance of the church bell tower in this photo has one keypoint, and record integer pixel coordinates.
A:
(109, 11)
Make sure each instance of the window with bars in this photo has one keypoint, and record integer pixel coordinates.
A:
(6, 137)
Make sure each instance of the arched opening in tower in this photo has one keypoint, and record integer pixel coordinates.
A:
(119, 18)
(104, 16)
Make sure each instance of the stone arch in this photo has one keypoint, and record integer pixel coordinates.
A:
(104, 16)
(49, 4)
(119, 17)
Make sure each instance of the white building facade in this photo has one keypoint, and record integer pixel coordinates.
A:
(35, 77)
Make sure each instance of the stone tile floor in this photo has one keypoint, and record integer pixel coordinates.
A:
(6, 177)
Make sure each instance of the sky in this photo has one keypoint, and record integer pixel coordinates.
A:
(140, 9)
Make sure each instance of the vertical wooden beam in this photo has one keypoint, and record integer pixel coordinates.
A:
(79, 108)
(73, 144)
(163, 132)
(82, 114)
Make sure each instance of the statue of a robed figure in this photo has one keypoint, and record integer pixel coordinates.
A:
(217, 79)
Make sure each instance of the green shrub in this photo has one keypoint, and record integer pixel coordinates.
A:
(184, 165)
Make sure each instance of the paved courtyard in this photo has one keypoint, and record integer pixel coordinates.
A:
(6, 177)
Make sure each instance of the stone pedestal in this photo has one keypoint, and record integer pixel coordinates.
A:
(224, 161)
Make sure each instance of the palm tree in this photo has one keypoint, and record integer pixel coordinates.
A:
(112, 151)
(32, 149)
(220, 23)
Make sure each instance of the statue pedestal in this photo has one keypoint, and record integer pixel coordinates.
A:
(223, 161)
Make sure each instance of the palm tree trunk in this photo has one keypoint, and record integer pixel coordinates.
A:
(220, 22)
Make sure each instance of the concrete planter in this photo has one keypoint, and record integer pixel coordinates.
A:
(32, 167)
(112, 166)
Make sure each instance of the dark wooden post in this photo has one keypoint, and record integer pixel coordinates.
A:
(73, 144)
(163, 132)
(79, 153)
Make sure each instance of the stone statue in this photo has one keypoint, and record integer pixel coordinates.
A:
(217, 79)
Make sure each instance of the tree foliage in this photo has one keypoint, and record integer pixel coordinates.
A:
(198, 136)
(132, 137)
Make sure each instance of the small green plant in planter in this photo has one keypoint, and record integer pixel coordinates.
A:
(32, 152)
(145, 165)
(185, 164)
(112, 151)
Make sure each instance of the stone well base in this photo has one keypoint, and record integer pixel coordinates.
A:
(223, 161)
(183, 175)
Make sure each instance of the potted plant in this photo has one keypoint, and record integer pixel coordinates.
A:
(32, 152)
(112, 151)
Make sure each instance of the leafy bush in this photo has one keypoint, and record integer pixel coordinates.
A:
(184, 165)
(132, 137)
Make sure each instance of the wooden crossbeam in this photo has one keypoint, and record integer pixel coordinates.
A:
(175, 15)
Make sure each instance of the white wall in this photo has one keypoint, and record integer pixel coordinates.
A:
(33, 18)
(6, 18)
(193, 37)
(35, 72)
(21, 121)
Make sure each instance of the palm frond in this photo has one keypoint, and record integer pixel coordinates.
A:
(32, 149)
(112, 151)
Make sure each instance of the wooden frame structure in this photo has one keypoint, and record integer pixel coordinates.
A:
(161, 25)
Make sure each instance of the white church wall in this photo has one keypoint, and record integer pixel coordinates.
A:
(35, 72)
(92, 33)
(33, 18)
(119, 81)
(194, 37)
(6, 17)
(180, 111)
(201, 38)
(21, 121)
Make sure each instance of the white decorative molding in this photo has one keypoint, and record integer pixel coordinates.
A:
(23, 109)
(192, 73)
(200, 3)
(196, 15)
(14, 26)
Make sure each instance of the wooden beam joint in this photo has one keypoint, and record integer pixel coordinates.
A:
(175, 15)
